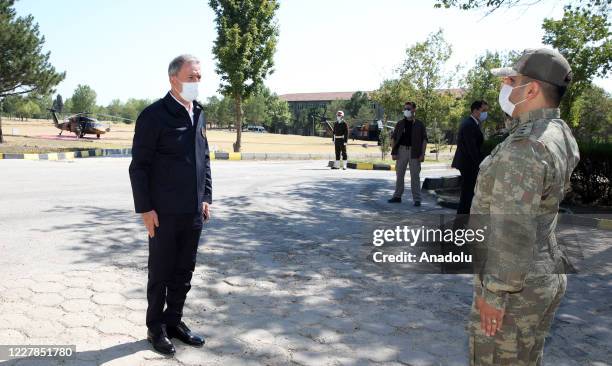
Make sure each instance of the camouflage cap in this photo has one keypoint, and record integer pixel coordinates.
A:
(542, 64)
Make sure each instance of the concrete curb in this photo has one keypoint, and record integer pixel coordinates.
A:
(67, 155)
(214, 155)
(389, 167)
(592, 222)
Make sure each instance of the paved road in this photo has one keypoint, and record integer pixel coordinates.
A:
(282, 276)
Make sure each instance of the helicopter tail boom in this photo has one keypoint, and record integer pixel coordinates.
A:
(55, 120)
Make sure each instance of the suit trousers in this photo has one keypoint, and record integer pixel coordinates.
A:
(404, 161)
(172, 259)
(468, 183)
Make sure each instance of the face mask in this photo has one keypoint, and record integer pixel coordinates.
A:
(339, 118)
(407, 113)
(483, 116)
(190, 91)
(504, 98)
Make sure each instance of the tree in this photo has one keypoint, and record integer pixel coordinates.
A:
(42, 102)
(584, 38)
(334, 106)
(210, 108)
(493, 5)
(83, 99)
(358, 99)
(133, 107)
(424, 68)
(366, 114)
(384, 139)
(115, 108)
(27, 109)
(227, 112)
(68, 106)
(255, 108)
(594, 111)
(24, 68)
(480, 84)
(391, 95)
(244, 49)
(58, 103)
(279, 114)
(10, 104)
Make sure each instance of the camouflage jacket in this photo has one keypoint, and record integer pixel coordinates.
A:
(519, 188)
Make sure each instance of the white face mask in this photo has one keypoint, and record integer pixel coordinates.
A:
(339, 118)
(190, 91)
(407, 113)
(504, 98)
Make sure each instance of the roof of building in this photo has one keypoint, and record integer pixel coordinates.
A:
(329, 96)
(317, 97)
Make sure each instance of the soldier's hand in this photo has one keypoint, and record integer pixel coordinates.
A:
(491, 318)
(150, 221)
(422, 158)
(205, 211)
(393, 157)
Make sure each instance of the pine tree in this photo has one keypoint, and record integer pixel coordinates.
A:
(24, 68)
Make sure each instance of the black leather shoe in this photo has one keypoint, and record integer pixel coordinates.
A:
(182, 333)
(417, 203)
(395, 200)
(161, 343)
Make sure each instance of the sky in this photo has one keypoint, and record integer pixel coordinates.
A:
(122, 48)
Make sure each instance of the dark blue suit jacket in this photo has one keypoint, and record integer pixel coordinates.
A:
(170, 169)
(469, 146)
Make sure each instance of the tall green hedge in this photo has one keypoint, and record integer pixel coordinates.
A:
(592, 178)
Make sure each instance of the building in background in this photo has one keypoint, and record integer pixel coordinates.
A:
(301, 101)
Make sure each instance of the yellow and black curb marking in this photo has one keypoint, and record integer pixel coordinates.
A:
(218, 155)
(366, 166)
(67, 155)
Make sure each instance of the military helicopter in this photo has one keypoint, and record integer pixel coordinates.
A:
(82, 124)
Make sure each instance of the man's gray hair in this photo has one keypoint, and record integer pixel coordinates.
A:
(179, 61)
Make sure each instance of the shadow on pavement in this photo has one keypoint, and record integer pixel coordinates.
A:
(285, 276)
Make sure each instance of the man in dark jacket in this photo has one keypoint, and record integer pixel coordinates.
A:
(409, 141)
(172, 189)
(469, 153)
(340, 139)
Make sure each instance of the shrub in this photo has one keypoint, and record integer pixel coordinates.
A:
(591, 181)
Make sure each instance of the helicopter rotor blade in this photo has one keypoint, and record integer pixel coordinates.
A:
(108, 115)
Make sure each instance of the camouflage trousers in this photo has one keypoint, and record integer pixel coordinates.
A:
(527, 320)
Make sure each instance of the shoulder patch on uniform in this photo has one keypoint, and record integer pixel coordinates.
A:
(523, 131)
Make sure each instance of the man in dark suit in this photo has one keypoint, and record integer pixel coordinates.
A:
(172, 189)
(469, 153)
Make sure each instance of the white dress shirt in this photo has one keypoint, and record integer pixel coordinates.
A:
(475, 120)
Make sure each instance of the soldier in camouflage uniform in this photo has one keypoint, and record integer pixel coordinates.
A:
(521, 280)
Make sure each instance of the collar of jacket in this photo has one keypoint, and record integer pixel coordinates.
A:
(536, 114)
(179, 110)
(413, 121)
